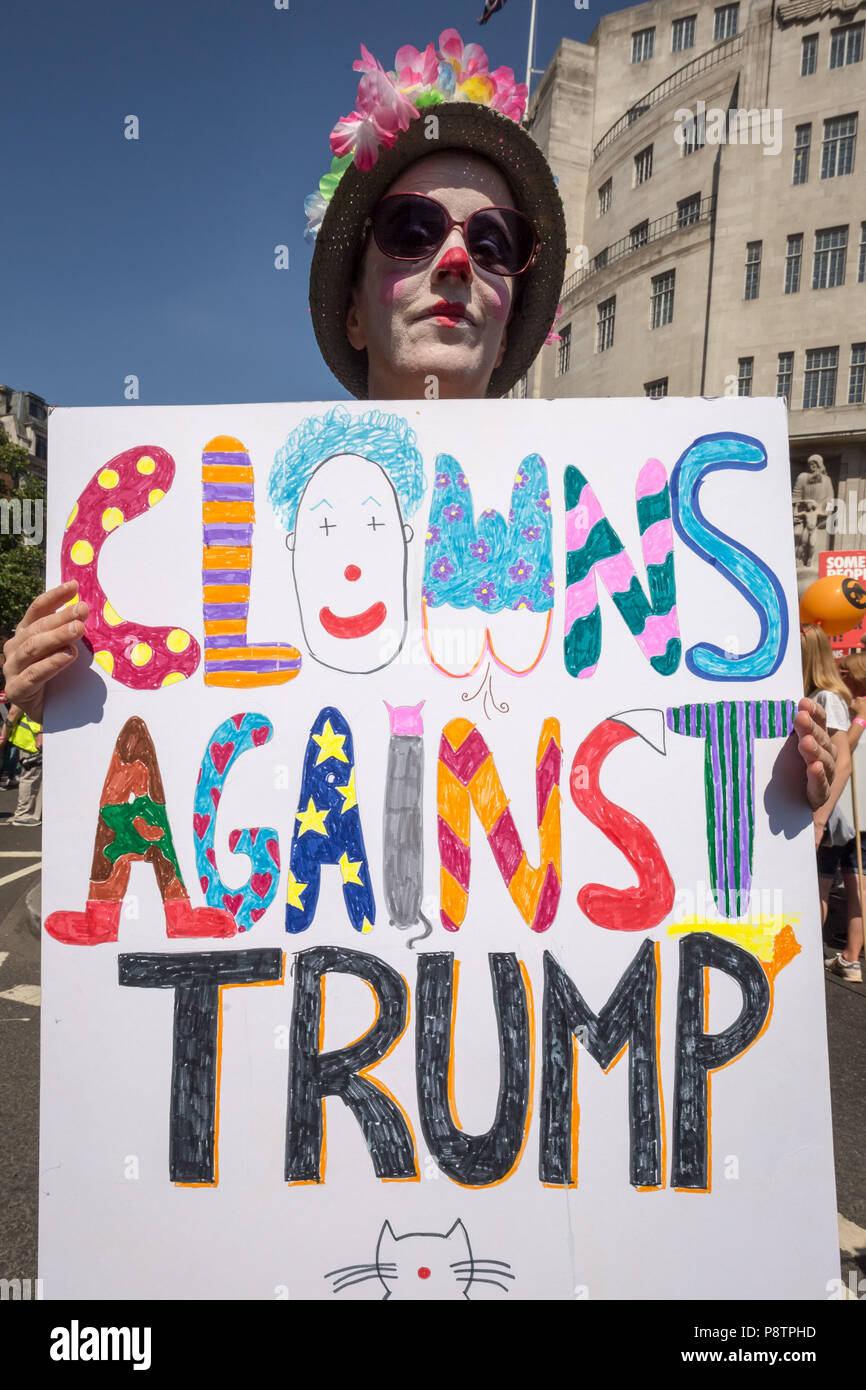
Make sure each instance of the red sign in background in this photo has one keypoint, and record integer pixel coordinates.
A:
(850, 564)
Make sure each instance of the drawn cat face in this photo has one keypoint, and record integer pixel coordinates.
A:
(423, 1265)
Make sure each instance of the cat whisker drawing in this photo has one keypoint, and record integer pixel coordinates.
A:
(482, 1264)
(350, 1269)
(420, 1270)
(357, 1274)
(481, 1271)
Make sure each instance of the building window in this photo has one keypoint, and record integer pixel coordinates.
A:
(639, 235)
(837, 154)
(828, 267)
(793, 261)
(802, 141)
(846, 46)
(662, 301)
(745, 367)
(861, 268)
(36, 409)
(753, 269)
(642, 43)
(564, 353)
(727, 20)
(689, 210)
(643, 165)
(819, 382)
(785, 375)
(41, 446)
(600, 261)
(605, 194)
(606, 316)
(683, 34)
(694, 134)
(857, 374)
(656, 389)
(809, 55)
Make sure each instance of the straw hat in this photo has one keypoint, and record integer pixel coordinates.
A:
(477, 111)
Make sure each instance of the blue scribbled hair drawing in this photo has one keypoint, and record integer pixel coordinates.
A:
(383, 438)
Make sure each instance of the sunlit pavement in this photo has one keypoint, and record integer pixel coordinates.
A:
(20, 862)
(20, 856)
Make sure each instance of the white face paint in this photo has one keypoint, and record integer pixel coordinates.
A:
(349, 565)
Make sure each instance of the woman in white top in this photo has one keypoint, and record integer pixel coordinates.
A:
(834, 832)
(847, 962)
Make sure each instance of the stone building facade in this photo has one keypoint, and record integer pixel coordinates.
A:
(24, 417)
(711, 159)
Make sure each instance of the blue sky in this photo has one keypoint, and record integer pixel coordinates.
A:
(155, 256)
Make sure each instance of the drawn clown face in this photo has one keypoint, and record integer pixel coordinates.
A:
(349, 565)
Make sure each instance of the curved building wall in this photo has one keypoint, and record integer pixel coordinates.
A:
(720, 219)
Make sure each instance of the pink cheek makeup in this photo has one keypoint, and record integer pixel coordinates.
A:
(501, 301)
(388, 289)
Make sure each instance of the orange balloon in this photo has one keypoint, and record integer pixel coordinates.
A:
(835, 603)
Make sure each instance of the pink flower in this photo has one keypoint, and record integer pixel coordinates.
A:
(510, 96)
(385, 104)
(466, 61)
(360, 135)
(416, 69)
(382, 112)
(366, 62)
(380, 99)
(554, 337)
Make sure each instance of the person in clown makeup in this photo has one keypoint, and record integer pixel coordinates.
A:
(440, 250)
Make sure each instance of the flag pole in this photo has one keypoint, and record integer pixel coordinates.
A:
(530, 54)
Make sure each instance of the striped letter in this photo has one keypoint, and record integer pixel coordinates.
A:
(594, 550)
(468, 777)
(227, 517)
(729, 729)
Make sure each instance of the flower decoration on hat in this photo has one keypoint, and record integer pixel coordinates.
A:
(553, 337)
(388, 102)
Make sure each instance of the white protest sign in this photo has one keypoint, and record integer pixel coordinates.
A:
(430, 901)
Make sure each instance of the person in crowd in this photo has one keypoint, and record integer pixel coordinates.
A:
(844, 858)
(26, 735)
(8, 751)
(834, 832)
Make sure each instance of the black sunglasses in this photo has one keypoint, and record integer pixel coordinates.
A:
(411, 227)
